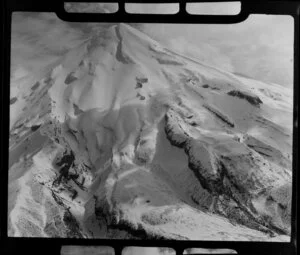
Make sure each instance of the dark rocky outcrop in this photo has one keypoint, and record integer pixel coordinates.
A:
(35, 127)
(176, 135)
(77, 110)
(219, 115)
(254, 100)
(70, 78)
(35, 86)
(13, 100)
(65, 163)
(73, 229)
(141, 80)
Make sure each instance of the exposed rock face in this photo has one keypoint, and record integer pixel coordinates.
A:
(175, 130)
(227, 177)
(219, 115)
(13, 100)
(182, 160)
(254, 100)
(208, 171)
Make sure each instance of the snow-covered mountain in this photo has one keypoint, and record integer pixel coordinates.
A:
(125, 138)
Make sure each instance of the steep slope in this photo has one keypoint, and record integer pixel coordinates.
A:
(124, 138)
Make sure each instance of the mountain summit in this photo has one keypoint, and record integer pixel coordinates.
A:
(125, 138)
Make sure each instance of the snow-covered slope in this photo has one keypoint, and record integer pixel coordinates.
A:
(124, 138)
